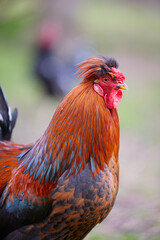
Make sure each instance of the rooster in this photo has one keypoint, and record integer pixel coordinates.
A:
(65, 183)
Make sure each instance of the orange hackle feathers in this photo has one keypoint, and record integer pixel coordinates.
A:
(82, 115)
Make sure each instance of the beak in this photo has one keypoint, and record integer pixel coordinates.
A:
(122, 86)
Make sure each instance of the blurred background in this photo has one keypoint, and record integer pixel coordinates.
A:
(40, 44)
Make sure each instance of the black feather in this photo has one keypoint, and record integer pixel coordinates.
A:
(110, 62)
(7, 120)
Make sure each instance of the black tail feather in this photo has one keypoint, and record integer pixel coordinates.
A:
(7, 120)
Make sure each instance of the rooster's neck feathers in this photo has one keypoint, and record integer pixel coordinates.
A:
(75, 137)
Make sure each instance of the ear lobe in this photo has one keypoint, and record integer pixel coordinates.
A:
(98, 89)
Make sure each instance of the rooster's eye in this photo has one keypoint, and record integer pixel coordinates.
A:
(105, 79)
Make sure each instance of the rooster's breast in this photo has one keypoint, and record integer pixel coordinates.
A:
(82, 201)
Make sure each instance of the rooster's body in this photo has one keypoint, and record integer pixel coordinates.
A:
(64, 184)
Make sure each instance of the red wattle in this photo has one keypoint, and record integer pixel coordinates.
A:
(113, 99)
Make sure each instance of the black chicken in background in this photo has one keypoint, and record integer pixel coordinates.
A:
(46, 61)
(57, 75)
(7, 119)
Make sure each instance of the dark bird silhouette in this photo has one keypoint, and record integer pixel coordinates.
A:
(48, 67)
(55, 73)
(7, 120)
(66, 182)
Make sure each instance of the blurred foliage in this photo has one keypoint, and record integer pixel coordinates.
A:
(123, 237)
(117, 25)
(126, 236)
(16, 74)
(16, 16)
